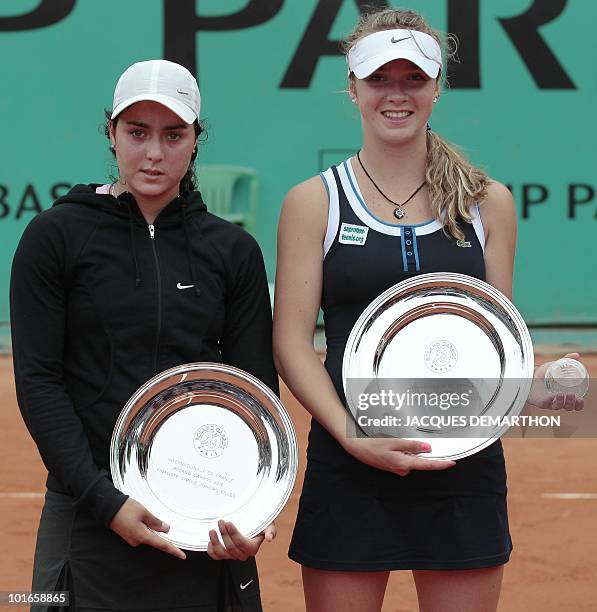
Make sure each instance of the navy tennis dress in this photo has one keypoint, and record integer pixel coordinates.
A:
(353, 517)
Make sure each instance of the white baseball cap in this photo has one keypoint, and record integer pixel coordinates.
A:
(379, 48)
(160, 81)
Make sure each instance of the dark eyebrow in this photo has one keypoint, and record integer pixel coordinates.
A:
(409, 66)
(178, 126)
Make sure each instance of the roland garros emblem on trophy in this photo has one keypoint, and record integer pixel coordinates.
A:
(210, 440)
(441, 356)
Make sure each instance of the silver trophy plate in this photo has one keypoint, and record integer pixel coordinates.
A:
(202, 442)
(440, 332)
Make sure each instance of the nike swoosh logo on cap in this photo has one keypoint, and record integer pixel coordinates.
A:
(184, 93)
(397, 40)
(180, 286)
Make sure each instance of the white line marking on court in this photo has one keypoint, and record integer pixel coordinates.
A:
(21, 495)
(569, 495)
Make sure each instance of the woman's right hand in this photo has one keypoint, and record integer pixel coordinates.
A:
(394, 454)
(134, 524)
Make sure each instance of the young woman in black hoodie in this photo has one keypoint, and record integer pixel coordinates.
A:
(112, 285)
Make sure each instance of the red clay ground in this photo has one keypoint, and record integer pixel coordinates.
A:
(552, 568)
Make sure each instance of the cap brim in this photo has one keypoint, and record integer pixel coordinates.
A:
(177, 107)
(429, 67)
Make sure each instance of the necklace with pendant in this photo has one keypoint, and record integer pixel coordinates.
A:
(398, 212)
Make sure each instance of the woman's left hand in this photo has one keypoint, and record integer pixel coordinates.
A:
(236, 546)
(542, 398)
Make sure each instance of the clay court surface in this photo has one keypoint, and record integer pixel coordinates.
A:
(553, 566)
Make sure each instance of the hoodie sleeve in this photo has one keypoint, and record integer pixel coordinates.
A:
(247, 338)
(38, 294)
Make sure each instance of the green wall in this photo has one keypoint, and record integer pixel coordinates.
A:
(526, 121)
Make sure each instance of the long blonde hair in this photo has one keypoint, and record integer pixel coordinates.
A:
(453, 183)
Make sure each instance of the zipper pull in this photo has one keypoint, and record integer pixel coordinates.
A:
(151, 231)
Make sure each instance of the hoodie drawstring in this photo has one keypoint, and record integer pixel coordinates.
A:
(133, 247)
(189, 251)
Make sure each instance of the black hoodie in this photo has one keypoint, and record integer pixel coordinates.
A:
(101, 302)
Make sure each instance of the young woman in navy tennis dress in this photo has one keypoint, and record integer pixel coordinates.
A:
(408, 203)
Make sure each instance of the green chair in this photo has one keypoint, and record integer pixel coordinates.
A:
(231, 193)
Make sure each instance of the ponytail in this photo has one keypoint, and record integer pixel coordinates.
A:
(454, 184)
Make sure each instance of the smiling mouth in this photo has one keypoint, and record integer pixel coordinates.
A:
(396, 114)
(152, 172)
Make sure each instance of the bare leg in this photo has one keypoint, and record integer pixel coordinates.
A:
(476, 590)
(347, 591)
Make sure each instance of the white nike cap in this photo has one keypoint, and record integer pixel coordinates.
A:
(379, 48)
(160, 81)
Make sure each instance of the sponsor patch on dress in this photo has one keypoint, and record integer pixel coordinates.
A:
(353, 234)
(463, 243)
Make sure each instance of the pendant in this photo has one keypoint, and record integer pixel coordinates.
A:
(398, 213)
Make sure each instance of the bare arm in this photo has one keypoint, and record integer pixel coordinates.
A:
(499, 220)
(299, 279)
(299, 274)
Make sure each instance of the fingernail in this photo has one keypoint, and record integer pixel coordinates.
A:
(165, 526)
(425, 447)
